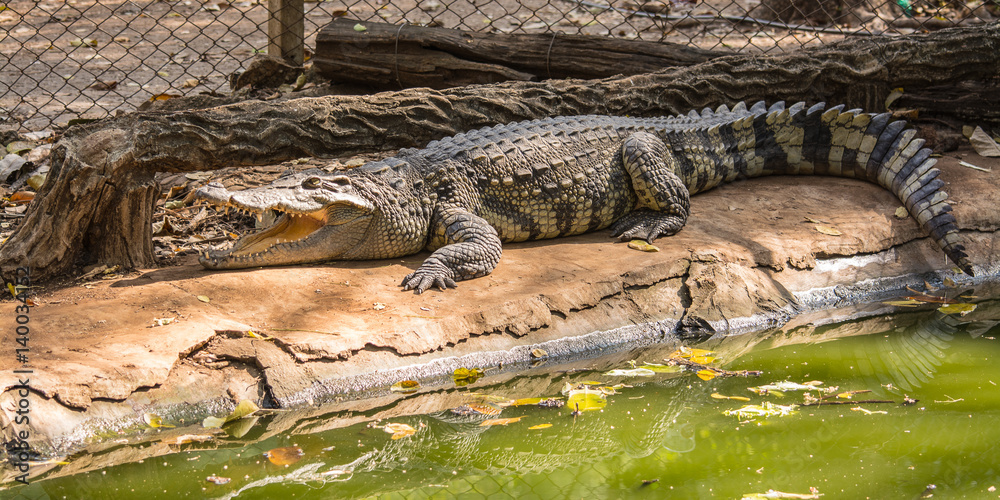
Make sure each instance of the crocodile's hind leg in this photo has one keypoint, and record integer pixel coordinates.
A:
(469, 248)
(664, 201)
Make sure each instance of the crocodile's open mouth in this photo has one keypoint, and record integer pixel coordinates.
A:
(288, 228)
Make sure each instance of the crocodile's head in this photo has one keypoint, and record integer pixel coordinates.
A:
(321, 217)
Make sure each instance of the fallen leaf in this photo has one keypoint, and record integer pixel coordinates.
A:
(901, 213)
(405, 386)
(163, 97)
(19, 147)
(465, 376)
(81, 42)
(21, 197)
(500, 421)
(974, 167)
(399, 430)
(103, 86)
(538, 353)
(204, 299)
(378, 306)
(642, 245)
(706, 374)
(217, 479)
(244, 409)
(190, 83)
(828, 230)
(360, 27)
(959, 309)
(153, 420)
(631, 372)
(476, 409)
(284, 456)
(539, 426)
(983, 143)
(188, 438)
(586, 399)
(716, 395)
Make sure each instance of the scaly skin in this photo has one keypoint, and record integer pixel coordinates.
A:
(463, 196)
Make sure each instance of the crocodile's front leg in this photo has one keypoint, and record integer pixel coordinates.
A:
(469, 248)
(664, 201)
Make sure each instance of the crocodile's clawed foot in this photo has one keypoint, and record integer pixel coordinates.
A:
(429, 274)
(646, 225)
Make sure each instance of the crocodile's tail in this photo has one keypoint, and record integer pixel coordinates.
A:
(819, 141)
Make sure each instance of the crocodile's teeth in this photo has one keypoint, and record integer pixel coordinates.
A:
(260, 216)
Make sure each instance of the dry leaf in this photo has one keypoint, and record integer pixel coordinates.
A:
(539, 426)
(500, 421)
(188, 438)
(828, 230)
(983, 143)
(901, 213)
(21, 197)
(538, 353)
(706, 374)
(643, 246)
(190, 83)
(284, 456)
(204, 299)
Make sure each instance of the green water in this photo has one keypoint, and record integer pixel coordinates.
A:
(663, 437)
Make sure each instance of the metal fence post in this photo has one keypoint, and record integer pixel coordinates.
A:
(286, 30)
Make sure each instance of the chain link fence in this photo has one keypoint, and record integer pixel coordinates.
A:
(73, 59)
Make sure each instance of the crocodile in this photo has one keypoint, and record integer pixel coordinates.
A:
(463, 196)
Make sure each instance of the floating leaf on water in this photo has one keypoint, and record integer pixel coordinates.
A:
(765, 409)
(405, 386)
(243, 409)
(707, 374)
(153, 420)
(903, 303)
(217, 479)
(959, 309)
(539, 426)
(538, 353)
(212, 422)
(689, 352)
(631, 372)
(869, 412)
(188, 438)
(465, 376)
(901, 213)
(813, 494)
(659, 368)
(983, 143)
(399, 430)
(642, 245)
(287, 455)
(522, 402)
(586, 399)
(716, 395)
(828, 230)
(500, 421)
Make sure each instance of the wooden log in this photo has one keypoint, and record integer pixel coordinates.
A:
(95, 202)
(387, 56)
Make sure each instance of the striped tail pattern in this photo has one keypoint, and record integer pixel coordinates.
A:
(743, 143)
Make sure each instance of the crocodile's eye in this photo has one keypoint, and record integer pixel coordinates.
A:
(312, 183)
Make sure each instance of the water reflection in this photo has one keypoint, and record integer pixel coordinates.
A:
(665, 428)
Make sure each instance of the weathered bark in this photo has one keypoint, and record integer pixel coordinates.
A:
(97, 167)
(387, 56)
